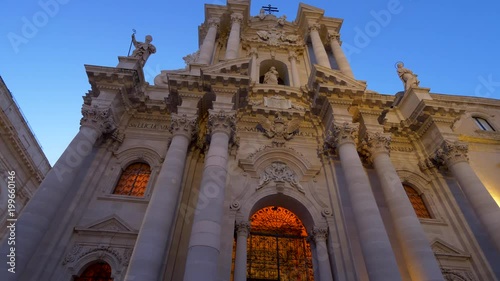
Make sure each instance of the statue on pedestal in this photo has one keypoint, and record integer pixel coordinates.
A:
(407, 76)
(271, 77)
(143, 49)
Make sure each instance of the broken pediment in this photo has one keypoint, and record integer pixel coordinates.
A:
(326, 78)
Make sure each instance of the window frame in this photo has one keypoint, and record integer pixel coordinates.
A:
(483, 124)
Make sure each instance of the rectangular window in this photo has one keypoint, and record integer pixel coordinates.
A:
(483, 124)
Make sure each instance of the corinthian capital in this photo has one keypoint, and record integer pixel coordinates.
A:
(451, 153)
(213, 22)
(314, 27)
(344, 133)
(222, 121)
(242, 228)
(101, 119)
(320, 234)
(183, 125)
(333, 36)
(236, 18)
(376, 143)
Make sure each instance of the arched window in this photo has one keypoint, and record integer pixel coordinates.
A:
(483, 124)
(277, 247)
(133, 180)
(417, 202)
(99, 271)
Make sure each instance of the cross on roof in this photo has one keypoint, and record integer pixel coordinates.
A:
(270, 9)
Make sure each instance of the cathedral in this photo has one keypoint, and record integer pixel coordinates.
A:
(265, 159)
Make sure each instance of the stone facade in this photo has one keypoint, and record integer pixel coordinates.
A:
(20, 154)
(222, 143)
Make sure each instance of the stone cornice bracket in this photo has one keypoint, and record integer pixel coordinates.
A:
(242, 228)
(320, 234)
(100, 119)
(451, 153)
(222, 121)
(236, 18)
(183, 125)
(375, 143)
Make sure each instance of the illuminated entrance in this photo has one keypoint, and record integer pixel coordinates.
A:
(277, 247)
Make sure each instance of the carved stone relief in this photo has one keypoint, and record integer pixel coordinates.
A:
(279, 172)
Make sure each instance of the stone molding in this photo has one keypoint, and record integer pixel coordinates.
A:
(451, 153)
(242, 228)
(222, 121)
(81, 250)
(183, 125)
(100, 119)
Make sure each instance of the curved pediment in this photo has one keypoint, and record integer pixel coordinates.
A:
(258, 161)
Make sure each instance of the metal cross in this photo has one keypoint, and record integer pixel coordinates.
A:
(270, 9)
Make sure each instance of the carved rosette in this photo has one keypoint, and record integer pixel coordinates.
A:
(341, 134)
(375, 143)
(222, 121)
(242, 228)
(183, 125)
(236, 18)
(451, 153)
(100, 119)
(320, 234)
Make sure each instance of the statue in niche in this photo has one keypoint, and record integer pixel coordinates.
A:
(143, 49)
(271, 76)
(407, 76)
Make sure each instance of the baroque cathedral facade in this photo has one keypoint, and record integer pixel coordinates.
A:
(265, 159)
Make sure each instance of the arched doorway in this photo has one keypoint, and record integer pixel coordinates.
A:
(277, 247)
(99, 271)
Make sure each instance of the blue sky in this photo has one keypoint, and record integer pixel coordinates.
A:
(452, 46)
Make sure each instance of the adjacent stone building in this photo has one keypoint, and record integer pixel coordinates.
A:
(21, 158)
(266, 159)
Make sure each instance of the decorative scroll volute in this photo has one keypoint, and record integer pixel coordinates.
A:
(100, 119)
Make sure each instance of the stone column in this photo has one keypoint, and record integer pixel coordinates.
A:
(147, 258)
(319, 48)
(207, 48)
(340, 58)
(419, 257)
(204, 244)
(233, 43)
(375, 245)
(325, 271)
(254, 75)
(39, 213)
(240, 261)
(292, 57)
(454, 155)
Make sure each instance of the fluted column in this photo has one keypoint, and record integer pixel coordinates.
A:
(318, 47)
(207, 48)
(325, 271)
(233, 43)
(292, 57)
(254, 71)
(375, 245)
(39, 213)
(419, 257)
(240, 261)
(339, 55)
(147, 258)
(204, 244)
(454, 155)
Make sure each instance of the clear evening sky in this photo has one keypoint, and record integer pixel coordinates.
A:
(453, 46)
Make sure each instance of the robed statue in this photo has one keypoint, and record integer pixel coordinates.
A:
(407, 76)
(143, 49)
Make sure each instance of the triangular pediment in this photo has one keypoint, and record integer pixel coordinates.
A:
(234, 67)
(111, 223)
(444, 250)
(331, 78)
